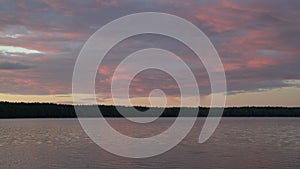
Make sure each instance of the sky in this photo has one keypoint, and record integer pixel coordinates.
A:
(257, 41)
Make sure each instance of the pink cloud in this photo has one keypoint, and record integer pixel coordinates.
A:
(56, 4)
(232, 67)
(246, 7)
(258, 63)
(104, 70)
(238, 29)
(112, 3)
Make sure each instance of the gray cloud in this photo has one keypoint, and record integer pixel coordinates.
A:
(13, 66)
(240, 31)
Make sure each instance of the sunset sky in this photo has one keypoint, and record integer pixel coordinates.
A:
(257, 41)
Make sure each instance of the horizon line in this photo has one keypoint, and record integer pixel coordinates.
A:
(143, 106)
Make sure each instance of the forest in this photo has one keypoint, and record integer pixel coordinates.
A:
(51, 110)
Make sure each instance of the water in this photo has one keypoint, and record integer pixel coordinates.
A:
(237, 143)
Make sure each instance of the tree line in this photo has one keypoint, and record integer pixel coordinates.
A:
(51, 110)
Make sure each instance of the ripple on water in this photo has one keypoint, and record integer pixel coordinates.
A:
(237, 143)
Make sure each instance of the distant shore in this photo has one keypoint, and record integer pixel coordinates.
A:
(51, 110)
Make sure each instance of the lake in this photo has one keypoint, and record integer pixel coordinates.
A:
(237, 143)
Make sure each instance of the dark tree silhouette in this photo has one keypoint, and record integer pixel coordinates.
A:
(50, 110)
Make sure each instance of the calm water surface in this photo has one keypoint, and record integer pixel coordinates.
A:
(237, 143)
